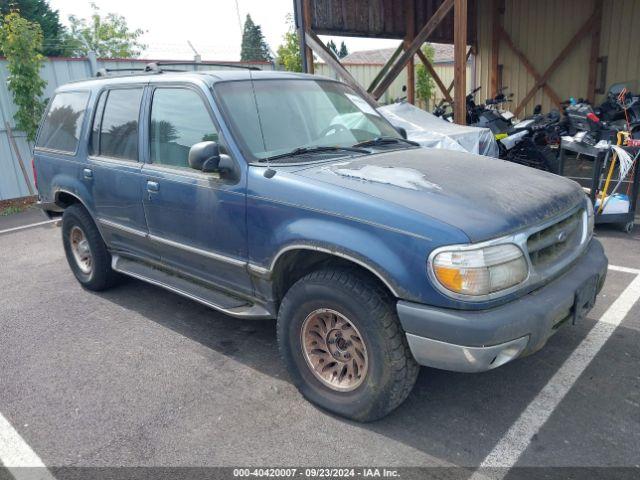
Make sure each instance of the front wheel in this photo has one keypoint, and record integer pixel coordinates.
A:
(342, 343)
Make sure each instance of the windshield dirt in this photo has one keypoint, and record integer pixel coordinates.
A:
(275, 117)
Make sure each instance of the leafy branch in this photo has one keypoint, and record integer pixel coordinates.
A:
(21, 42)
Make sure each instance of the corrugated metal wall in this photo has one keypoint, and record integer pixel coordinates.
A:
(365, 73)
(620, 40)
(56, 71)
(542, 28)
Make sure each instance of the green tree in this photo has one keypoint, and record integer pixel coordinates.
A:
(108, 36)
(40, 12)
(425, 85)
(289, 50)
(343, 50)
(254, 47)
(332, 46)
(21, 42)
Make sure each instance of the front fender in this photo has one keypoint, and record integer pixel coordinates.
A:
(396, 257)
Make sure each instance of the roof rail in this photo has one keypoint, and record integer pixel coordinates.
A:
(159, 67)
(214, 64)
(103, 72)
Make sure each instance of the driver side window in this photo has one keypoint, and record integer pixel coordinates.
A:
(179, 120)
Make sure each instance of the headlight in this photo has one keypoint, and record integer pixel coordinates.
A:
(479, 271)
(590, 218)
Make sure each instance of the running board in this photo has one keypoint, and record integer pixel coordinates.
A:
(216, 299)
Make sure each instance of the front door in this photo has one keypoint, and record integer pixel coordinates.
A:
(196, 221)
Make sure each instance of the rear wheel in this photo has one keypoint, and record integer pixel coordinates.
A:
(343, 345)
(86, 252)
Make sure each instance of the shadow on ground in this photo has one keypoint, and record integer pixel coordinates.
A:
(451, 416)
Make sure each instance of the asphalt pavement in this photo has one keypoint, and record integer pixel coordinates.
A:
(138, 376)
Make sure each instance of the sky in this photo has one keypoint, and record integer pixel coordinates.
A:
(211, 26)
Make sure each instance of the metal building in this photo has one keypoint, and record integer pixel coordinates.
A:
(545, 51)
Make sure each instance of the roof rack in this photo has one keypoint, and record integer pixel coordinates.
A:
(158, 67)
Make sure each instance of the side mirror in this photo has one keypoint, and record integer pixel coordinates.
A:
(402, 131)
(205, 156)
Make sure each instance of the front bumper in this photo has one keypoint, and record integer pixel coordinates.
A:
(479, 340)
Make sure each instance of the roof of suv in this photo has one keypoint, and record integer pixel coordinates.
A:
(210, 76)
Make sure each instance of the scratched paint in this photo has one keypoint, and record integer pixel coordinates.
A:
(397, 176)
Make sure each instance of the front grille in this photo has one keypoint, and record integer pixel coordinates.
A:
(552, 245)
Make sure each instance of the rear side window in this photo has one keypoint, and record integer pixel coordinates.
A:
(63, 122)
(117, 125)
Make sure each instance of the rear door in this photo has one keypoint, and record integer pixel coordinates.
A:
(196, 220)
(113, 173)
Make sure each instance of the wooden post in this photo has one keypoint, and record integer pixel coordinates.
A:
(411, 71)
(460, 61)
(495, 46)
(306, 14)
(417, 42)
(595, 53)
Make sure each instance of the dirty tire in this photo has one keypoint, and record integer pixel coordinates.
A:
(392, 370)
(101, 276)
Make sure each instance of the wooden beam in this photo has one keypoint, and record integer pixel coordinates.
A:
(434, 75)
(460, 62)
(325, 54)
(386, 67)
(495, 46)
(417, 42)
(586, 28)
(411, 69)
(300, 29)
(531, 69)
(306, 13)
(595, 53)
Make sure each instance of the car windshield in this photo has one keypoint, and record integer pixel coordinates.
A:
(289, 115)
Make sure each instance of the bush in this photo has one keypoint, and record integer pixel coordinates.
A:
(21, 42)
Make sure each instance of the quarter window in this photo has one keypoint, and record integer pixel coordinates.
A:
(118, 126)
(63, 122)
(179, 120)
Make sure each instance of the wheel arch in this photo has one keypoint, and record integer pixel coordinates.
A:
(63, 198)
(295, 261)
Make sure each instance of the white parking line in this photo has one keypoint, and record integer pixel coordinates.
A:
(511, 446)
(17, 456)
(616, 268)
(31, 225)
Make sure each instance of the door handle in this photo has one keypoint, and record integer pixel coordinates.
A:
(153, 186)
(88, 173)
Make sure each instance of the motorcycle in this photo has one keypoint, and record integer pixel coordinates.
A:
(533, 141)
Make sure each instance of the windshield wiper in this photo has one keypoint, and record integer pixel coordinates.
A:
(385, 141)
(311, 150)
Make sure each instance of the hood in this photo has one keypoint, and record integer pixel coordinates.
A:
(484, 197)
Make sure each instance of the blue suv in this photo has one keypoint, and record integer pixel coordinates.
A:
(276, 195)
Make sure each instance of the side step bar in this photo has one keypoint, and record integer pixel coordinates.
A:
(221, 301)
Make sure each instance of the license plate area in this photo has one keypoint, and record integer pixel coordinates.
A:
(585, 299)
